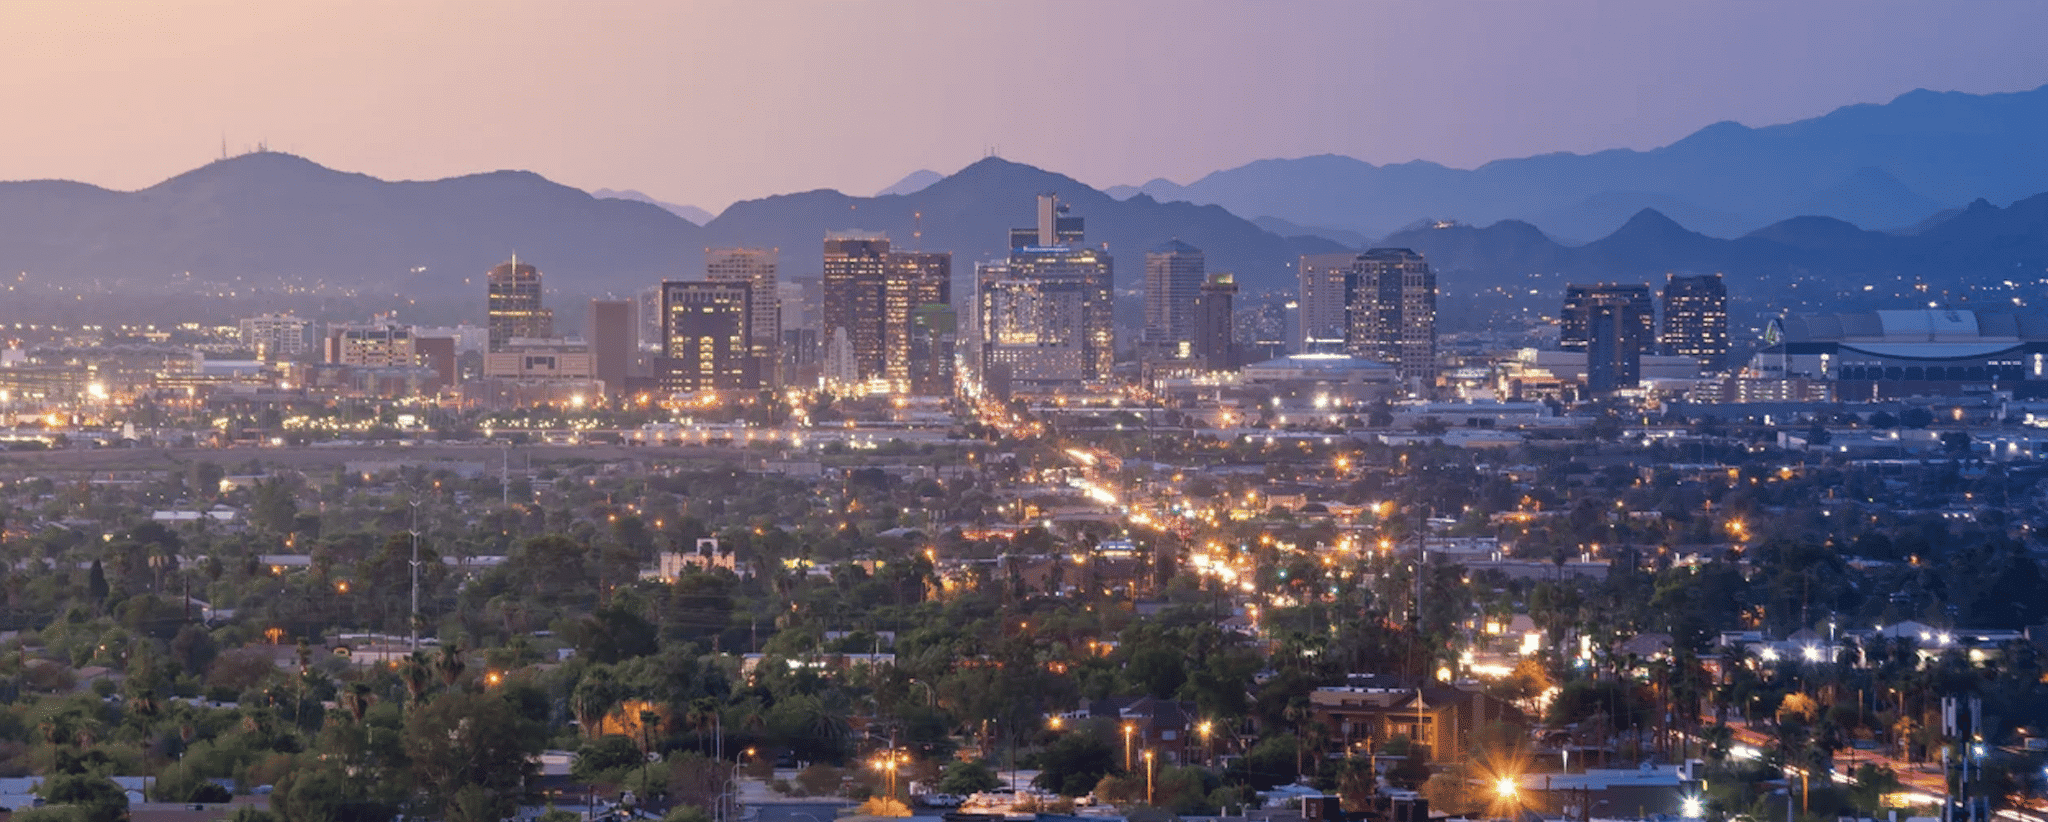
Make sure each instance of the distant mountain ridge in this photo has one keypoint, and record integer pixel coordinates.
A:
(1800, 264)
(276, 218)
(1879, 166)
(692, 213)
(971, 211)
(912, 183)
(270, 217)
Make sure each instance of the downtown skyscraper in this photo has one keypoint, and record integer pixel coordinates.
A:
(873, 295)
(757, 268)
(1696, 320)
(1321, 299)
(1174, 274)
(1044, 316)
(707, 336)
(1613, 323)
(1390, 313)
(514, 305)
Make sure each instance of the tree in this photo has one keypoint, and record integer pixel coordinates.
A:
(1076, 762)
(606, 758)
(967, 777)
(1956, 442)
(274, 510)
(96, 797)
(463, 740)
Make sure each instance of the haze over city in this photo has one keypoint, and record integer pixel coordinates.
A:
(706, 103)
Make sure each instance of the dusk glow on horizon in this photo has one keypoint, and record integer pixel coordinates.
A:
(707, 103)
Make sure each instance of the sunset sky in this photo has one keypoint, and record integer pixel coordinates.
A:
(707, 102)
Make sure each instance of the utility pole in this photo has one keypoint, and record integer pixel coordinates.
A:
(413, 621)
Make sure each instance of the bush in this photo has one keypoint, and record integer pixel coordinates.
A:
(819, 780)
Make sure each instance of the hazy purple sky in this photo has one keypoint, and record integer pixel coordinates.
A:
(705, 102)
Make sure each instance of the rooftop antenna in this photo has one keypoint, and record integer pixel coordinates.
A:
(917, 230)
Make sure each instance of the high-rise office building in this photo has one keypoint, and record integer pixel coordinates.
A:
(380, 343)
(1173, 282)
(1044, 316)
(1390, 312)
(613, 332)
(1321, 298)
(1053, 228)
(275, 337)
(871, 296)
(933, 335)
(756, 267)
(854, 331)
(1215, 331)
(514, 306)
(1696, 320)
(1615, 343)
(707, 341)
(1033, 325)
(1575, 322)
(916, 279)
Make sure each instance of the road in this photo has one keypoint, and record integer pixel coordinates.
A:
(1924, 779)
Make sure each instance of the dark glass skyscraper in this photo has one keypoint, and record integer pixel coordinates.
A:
(1575, 322)
(1173, 282)
(1390, 312)
(707, 338)
(1696, 320)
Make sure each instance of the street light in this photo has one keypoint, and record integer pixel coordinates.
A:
(1148, 776)
(1129, 727)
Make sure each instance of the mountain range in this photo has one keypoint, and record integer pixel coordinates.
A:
(1877, 166)
(268, 218)
(1980, 252)
(695, 215)
(274, 218)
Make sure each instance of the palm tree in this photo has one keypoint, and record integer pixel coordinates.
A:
(703, 718)
(449, 665)
(593, 700)
(414, 672)
(358, 699)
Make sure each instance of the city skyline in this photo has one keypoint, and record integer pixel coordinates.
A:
(1519, 81)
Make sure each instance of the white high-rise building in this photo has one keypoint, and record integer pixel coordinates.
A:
(756, 267)
(277, 336)
(1321, 301)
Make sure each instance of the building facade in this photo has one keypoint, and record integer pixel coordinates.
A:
(380, 343)
(1215, 329)
(612, 327)
(514, 304)
(276, 337)
(1390, 312)
(1321, 301)
(1696, 320)
(707, 339)
(917, 280)
(1044, 316)
(543, 360)
(1174, 274)
(756, 267)
(1575, 321)
(1614, 347)
(1933, 352)
(854, 330)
